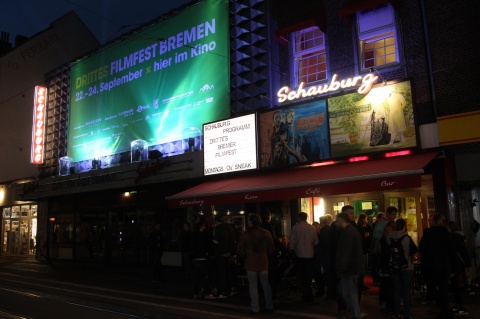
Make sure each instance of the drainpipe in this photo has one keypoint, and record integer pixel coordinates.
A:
(429, 58)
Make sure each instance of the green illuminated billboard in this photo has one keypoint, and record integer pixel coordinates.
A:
(153, 85)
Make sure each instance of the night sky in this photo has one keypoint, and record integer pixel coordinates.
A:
(107, 19)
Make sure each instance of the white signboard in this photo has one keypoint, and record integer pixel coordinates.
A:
(230, 145)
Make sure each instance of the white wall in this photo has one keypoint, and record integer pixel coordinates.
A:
(20, 71)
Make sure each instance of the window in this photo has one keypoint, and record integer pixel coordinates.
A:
(310, 56)
(378, 41)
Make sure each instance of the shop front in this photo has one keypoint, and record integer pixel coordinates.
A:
(104, 215)
(19, 229)
(370, 186)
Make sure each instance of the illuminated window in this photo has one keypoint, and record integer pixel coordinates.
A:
(310, 56)
(378, 41)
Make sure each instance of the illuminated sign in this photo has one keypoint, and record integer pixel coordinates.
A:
(367, 205)
(230, 145)
(38, 131)
(364, 83)
(155, 85)
(381, 121)
(294, 135)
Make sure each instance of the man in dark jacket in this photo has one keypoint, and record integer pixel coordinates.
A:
(268, 225)
(224, 240)
(199, 260)
(438, 253)
(255, 245)
(350, 263)
(156, 247)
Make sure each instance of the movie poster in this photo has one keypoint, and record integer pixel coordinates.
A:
(382, 120)
(294, 135)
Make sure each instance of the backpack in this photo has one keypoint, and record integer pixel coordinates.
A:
(397, 260)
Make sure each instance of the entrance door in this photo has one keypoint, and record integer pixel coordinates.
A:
(333, 205)
(6, 235)
(13, 245)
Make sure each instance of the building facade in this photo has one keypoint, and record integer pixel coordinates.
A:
(22, 69)
(335, 75)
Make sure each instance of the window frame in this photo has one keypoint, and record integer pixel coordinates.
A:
(375, 35)
(299, 55)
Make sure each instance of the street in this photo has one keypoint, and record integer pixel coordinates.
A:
(65, 289)
(29, 289)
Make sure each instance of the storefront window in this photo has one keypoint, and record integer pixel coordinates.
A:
(367, 207)
(62, 229)
(19, 229)
(306, 207)
(337, 207)
(24, 211)
(7, 212)
(34, 209)
(15, 211)
(6, 232)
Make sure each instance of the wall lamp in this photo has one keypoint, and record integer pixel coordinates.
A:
(373, 70)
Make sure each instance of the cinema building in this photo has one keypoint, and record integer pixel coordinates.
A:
(226, 108)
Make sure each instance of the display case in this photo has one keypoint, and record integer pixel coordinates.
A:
(65, 166)
(139, 151)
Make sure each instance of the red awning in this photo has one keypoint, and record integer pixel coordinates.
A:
(281, 35)
(353, 6)
(377, 175)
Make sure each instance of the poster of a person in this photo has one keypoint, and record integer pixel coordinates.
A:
(396, 120)
(381, 120)
(294, 135)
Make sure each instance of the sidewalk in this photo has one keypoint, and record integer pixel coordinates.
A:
(138, 280)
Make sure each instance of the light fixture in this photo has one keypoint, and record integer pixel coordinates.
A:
(399, 153)
(358, 159)
(322, 163)
(126, 194)
(373, 70)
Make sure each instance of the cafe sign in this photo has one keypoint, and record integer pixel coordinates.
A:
(364, 83)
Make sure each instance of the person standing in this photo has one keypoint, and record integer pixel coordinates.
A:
(255, 245)
(156, 248)
(385, 291)
(366, 235)
(269, 226)
(378, 231)
(403, 278)
(186, 250)
(323, 250)
(462, 261)
(303, 239)
(437, 251)
(350, 264)
(224, 241)
(199, 260)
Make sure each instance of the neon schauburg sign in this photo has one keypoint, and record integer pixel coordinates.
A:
(364, 84)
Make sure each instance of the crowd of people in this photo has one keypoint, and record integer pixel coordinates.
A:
(330, 258)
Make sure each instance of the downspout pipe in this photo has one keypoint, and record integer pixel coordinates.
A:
(431, 81)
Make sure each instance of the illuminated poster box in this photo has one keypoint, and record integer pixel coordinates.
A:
(294, 135)
(230, 145)
(38, 130)
(382, 120)
(152, 85)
